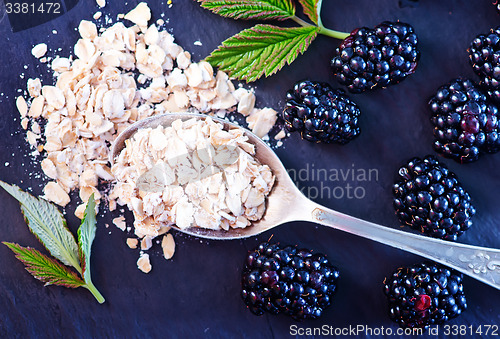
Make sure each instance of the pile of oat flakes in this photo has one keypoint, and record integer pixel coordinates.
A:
(117, 76)
(192, 173)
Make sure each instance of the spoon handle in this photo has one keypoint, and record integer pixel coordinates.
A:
(480, 263)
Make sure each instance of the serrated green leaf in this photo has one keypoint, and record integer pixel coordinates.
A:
(311, 9)
(46, 269)
(48, 225)
(261, 50)
(86, 235)
(251, 9)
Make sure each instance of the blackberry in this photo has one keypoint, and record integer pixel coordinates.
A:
(484, 56)
(287, 280)
(430, 198)
(424, 294)
(376, 58)
(465, 121)
(320, 113)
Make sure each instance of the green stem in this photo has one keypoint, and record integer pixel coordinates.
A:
(90, 286)
(322, 29)
(334, 34)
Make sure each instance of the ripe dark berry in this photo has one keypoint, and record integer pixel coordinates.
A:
(320, 113)
(465, 121)
(424, 294)
(301, 291)
(484, 52)
(428, 197)
(376, 58)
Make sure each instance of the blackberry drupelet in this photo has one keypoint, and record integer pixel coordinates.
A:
(484, 55)
(320, 113)
(376, 58)
(287, 280)
(465, 121)
(428, 197)
(424, 294)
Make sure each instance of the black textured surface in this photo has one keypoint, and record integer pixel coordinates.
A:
(197, 293)
(30, 13)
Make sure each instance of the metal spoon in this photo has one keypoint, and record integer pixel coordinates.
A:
(286, 203)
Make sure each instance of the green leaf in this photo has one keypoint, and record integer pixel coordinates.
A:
(262, 49)
(48, 270)
(49, 226)
(251, 9)
(86, 235)
(311, 9)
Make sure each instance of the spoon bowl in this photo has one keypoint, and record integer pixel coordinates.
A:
(286, 203)
(283, 194)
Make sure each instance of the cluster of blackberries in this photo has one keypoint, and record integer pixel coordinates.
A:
(428, 197)
(288, 280)
(301, 284)
(465, 121)
(320, 113)
(484, 55)
(464, 114)
(424, 294)
(366, 59)
(376, 58)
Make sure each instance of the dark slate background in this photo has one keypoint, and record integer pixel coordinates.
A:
(197, 293)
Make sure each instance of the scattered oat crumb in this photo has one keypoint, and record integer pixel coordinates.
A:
(54, 31)
(120, 222)
(280, 135)
(35, 127)
(279, 143)
(36, 107)
(143, 263)
(24, 123)
(55, 193)
(140, 15)
(101, 3)
(168, 246)
(34, 87)
(97, 15)
(132, 243)
(22, 106)
(160, 22)
(197, 43)
(246, 101)
(146, 243)
(262, 120)
(120, 16)
(44, 59)
(39, 50)
(87, 30)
